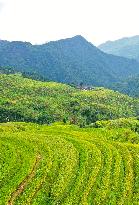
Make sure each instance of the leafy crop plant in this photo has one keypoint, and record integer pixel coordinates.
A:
(64, 164)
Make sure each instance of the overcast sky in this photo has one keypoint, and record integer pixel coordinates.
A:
(40, 21)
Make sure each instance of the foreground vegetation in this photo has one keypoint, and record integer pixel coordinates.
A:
(64, 164)
(28, 100)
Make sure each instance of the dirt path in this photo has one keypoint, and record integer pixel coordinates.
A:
(23, 184)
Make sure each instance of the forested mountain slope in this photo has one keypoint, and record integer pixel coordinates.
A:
(126, 47)
(129, 86)
(72, 60)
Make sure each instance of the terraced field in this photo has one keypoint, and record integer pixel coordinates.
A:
(64, 164)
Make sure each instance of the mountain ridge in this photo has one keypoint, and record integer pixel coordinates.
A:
(72, 60)
(127, 47)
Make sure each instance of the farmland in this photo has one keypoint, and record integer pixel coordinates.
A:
(65, 164)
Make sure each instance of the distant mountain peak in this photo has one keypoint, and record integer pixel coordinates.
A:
(74, 38)
(126, 47)
(78, 37)
(127, 40)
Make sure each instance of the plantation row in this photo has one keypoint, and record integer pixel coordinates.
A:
(63, 164)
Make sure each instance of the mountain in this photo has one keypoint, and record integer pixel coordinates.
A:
(72, 60)
(126, 47)
(28, 100)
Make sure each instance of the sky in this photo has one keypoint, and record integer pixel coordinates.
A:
(40, 21)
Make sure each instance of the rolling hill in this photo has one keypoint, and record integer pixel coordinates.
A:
(126, 47)
(28, 100)
(72, 60)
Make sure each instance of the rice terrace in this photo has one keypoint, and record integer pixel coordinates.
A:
(64, 164)
(69, 102)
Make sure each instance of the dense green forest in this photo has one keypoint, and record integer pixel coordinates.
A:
(24, 99)
(72, 60)
(25, 74)
(129, 86)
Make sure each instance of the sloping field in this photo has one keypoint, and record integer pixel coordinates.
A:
(62, 164)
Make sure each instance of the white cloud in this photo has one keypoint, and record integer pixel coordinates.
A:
(1, 5)
(44, 20)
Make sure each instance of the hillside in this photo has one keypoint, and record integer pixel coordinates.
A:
(67, 165)
(129, 86)
(25, 99)
(72, 60)
(126, 47)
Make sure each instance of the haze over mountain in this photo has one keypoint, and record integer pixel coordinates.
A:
(72, 60)
(126, 47)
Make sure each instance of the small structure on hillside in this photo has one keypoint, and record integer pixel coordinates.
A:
(85, 87)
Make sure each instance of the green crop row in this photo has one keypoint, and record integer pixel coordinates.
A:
(67, 165)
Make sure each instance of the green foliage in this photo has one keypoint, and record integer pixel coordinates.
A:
(129, 86)
(25, 74)
(63, 164)
(28, 100)
(7, 70)
(131, 123)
